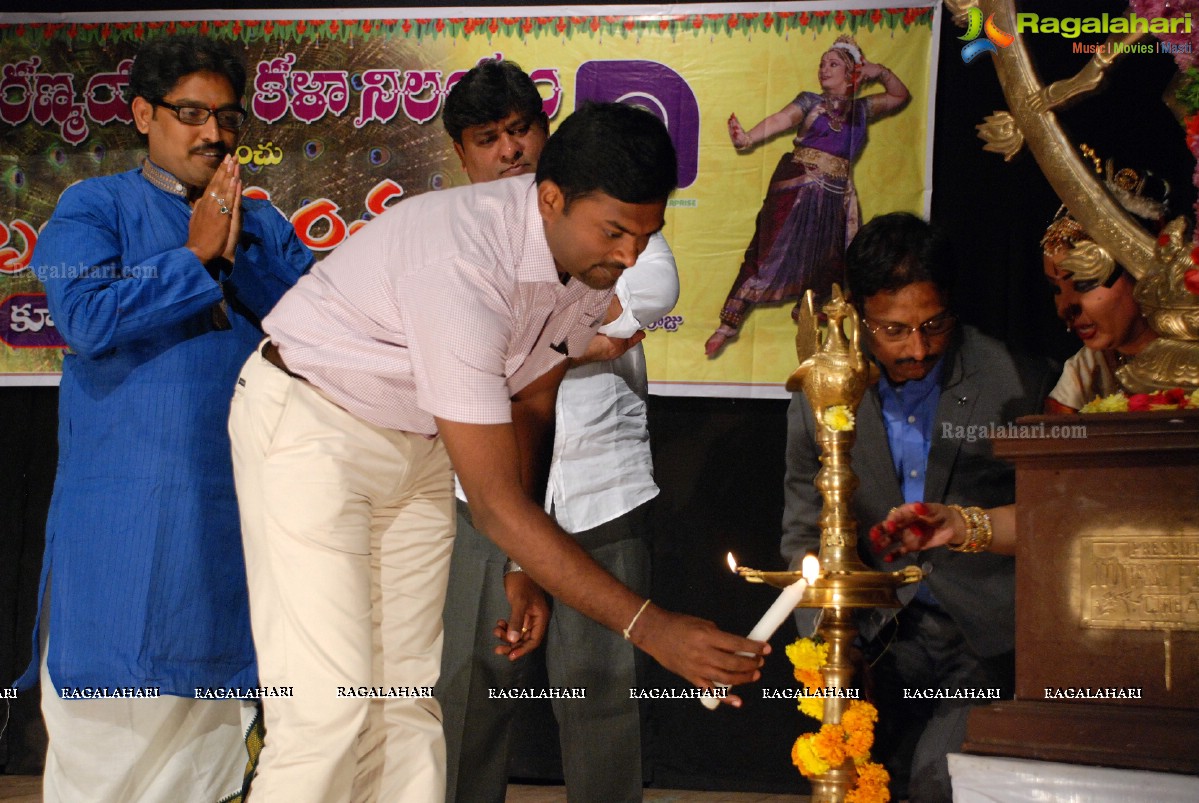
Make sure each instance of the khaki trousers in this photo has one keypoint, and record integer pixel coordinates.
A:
(347, 529)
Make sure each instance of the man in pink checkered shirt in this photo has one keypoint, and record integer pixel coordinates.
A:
(437, 334)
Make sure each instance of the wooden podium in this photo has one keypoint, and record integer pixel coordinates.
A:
(1107, 594)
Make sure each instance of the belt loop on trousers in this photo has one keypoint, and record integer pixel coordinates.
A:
(270, 353)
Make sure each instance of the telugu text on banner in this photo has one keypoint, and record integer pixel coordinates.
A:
(344, 120)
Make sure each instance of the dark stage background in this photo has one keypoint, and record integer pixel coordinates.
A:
(719, 462)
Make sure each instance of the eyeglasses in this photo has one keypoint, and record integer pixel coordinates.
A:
(229, 118)
(898, 332)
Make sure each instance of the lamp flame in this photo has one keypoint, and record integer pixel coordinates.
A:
(811, 568)
(732, 563)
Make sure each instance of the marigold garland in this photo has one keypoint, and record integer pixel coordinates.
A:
(1174, 399)
(781, 23)
(829, 743)
(804, 756)
(816, 753)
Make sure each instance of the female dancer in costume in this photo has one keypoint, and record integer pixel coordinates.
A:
(811, 210)
(1097, 303)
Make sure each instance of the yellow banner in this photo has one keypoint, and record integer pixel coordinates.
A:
(345, 120)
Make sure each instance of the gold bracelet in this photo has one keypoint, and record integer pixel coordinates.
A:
(636, 616)
(978, 530)
(969, 520)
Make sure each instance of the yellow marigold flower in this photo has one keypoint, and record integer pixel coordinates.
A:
(1115, 403)
(813, 707)
(838, 418)
(807, 654)
(804, 756)
(1194, 398)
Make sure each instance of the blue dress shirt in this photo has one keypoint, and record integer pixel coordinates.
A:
(909, 412)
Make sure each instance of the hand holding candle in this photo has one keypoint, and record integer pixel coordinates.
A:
(777, 613)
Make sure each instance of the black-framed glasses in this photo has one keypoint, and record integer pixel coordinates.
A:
(898, 332)
(231, 118)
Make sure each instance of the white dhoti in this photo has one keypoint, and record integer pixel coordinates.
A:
(159, 750)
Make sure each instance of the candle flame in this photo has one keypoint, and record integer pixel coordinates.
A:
(732, 563)
(811, 568)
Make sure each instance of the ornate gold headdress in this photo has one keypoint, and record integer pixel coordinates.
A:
(1063, 232)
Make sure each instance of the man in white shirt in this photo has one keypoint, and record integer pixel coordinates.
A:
(600, 485)
(437, 334)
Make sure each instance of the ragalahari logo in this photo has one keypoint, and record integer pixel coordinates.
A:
(975, 27)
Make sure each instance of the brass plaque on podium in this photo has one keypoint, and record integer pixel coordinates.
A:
(1139, 582)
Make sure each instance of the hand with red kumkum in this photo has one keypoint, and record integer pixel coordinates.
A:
(917, 526)
(924, 525)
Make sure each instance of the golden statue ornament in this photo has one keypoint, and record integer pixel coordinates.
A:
(1173, 359)
(1001, 135)
(834, 372)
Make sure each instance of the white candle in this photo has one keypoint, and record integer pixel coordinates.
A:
(775, 615)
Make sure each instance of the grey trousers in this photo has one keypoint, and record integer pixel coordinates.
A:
(926, 650)
(600, 735)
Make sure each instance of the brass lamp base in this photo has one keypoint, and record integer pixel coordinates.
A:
(834, 589)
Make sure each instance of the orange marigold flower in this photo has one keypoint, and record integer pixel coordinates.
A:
(859, 716)
(871, 786)
(830, 744)
(858, 743)
(810, 678)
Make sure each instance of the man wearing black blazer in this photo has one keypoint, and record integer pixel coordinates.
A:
(922, 434)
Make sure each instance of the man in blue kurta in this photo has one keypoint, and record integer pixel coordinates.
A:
(157, 279)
